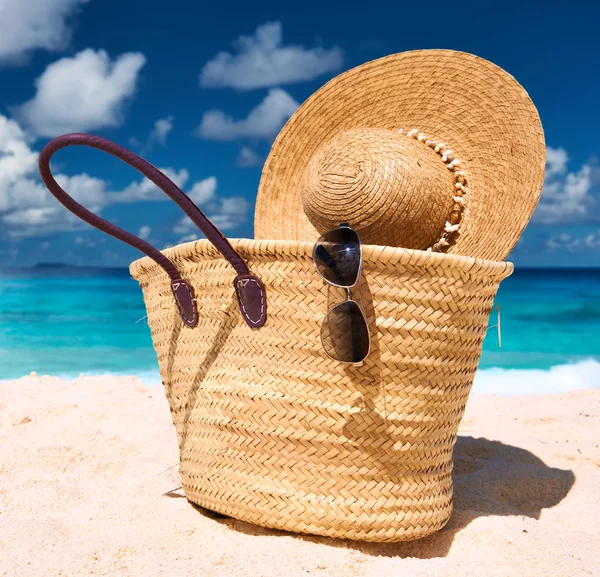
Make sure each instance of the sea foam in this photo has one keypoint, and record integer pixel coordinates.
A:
(560, 378)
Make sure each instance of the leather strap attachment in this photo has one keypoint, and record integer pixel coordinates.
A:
(251, 297)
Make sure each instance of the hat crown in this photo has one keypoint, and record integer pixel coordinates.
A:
(392, 189)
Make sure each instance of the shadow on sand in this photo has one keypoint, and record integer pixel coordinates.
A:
(490, 478)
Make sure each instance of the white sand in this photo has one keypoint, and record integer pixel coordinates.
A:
(86, 488)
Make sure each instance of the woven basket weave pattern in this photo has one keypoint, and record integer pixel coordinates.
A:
(273, 432)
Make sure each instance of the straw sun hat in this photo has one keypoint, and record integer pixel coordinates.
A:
(430, 149)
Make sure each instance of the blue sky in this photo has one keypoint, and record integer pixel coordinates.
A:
(178, 82)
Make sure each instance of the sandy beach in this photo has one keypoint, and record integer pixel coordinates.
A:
(89, 486)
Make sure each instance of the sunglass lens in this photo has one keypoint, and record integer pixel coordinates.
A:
(344, 334)
(337, 256)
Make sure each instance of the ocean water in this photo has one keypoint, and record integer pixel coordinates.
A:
(66, 321)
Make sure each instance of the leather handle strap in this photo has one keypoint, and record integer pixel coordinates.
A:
(249, 289)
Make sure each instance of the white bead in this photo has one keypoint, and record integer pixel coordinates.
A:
(447, 156)
(439, 146)
(401, 130)
(421, 137)
(412, 132)
(443, 242)
(459, 200)
(451, 227)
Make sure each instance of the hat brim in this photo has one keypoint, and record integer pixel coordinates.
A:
(480, 111)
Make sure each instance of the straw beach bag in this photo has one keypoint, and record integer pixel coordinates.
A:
(271, 430)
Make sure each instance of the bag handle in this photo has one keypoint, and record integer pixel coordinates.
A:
(249, 289)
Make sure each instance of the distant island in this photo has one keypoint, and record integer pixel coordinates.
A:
(65, 265)
(62, 268)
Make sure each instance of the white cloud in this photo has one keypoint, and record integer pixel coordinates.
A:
(188, 238)
(560, 242)
(592, 240)
(226, 214)
(85, 241)
(146, 190)
(31, 216)
(235, 206)
(34, 222)
(87, 190)
(27, 209)
(248, 158)
(17, 161)
(82, 93)
(226, 222)
(262, 61)
(21, 191)
(27, 25)
(566, 196)
(161, 129)
(204, 190)
(264, 121)
(556, 161)
(145, 232)
(19, 183)
(567, 242)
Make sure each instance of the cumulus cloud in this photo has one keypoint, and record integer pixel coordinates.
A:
(42, 221)
(567, 242)
(556, 161)
(226, 213)
(231, 213)
(27, 25)
(188, 238)
(82, 93)
(146, 190)
(261, 60)
(204, 190)
(264, 121)
(247, 158)
(85, 241)
(161, 129)
(85, 189)
(27, 209)
(567, 196)
(17, 163)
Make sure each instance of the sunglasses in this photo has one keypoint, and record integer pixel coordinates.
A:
(337, 256)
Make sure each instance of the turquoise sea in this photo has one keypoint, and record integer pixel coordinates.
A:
(66, 321)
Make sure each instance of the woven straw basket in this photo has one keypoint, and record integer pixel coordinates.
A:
(273, 432)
